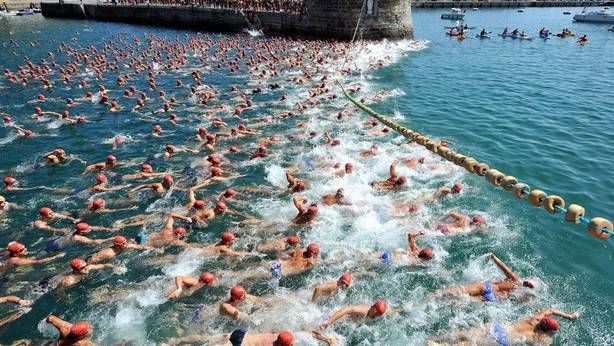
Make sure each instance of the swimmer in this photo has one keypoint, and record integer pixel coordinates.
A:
(98, 206)
(331, 288)
(373, 151)
(169, 235)
(394, 182)
(305, 215)
(222, 247)
(294, 185)
(413, 163)
(358, 313)
(17, 257)
(280, 245)
(59, 156)
(203, 216)
(145, 173)
(110, 163)
(80, 269)
(12, 184)
(22, 132)
(535, 330)
(238, 296)
(15, 300)
(5, 206)
(228, 196)
(300, 261)
(24, 304)
(240, 337)
(120, 246)
(490, 291)
(347, 169)
(337, 198)
(462, 221)
(77, 334)
(187, 285)
(170, 150)
(158, 188)
(47, 216)
(78, 237)
(445, 191)
(192, 195)
(100, 185)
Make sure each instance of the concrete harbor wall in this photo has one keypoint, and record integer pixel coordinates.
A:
(502, 4)
(381, 19)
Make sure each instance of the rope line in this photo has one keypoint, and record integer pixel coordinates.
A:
(597, 227)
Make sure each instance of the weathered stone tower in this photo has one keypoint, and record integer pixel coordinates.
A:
(380, 18)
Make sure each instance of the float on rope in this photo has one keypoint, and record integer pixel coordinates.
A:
(597, 227)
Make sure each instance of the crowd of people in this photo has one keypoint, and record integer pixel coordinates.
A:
(290, 6)
(228, 132)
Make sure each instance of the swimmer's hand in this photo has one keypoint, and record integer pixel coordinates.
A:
(324, 325)
(175, 294)
(574, 316)
(23, 302)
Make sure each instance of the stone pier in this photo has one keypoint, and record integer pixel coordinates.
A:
(380, 19)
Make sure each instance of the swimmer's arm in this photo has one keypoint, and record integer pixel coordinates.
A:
(177, 216)
(11, 318)
(456, 216)
(44, 260)
(338, 315)
(102, 228)
(441, 192)
(101, 266)
(48, 228)
(290, 179)
(238, 213)
(393, 169)
(62, 326)
(77, 159)
(106, 211)
(299, 203)
(317, 292)
(88, 241)
(508, 272)
(15, 300)
(140, 187)
(318, 336)
(233, 253)
(555, 312)
(257, 300)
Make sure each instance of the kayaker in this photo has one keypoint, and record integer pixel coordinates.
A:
(483, 33)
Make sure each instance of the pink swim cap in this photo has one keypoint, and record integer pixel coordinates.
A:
(101, 178)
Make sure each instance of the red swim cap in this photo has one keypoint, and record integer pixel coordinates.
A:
(111, 158)
(293, 240)
(10, 180)
(80, 329)
(98, 203)
(312, 210)
(37, 110)
(336, 142)
(78, 264)
(237, 292)
(313, 249)
(170, 148)
(173, 116)
(234, 149)
(457, 187)
(168, 179)
(157, 128)
(227, 237)
(477, 220)
(380, 307)
(348, 166)
(146, 168)
(180, 232)
(216, 171)
(221, 206)
(346, 278)
(230, 193)
(301, 186)
(82, 228)
(216, 161)
(206, 278)
(15, 247)
(402, 180)
(210, 137)
(119, 240)
(284, 339)
(548, 324)
(101, 178)
(202, 130)
(199, 204)
(45, 212)
(242, 127)
(426, 253)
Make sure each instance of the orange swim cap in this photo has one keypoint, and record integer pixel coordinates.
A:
(237, 292)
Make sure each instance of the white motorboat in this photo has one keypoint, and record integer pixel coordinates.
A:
(603, 16)
(27, 12)
(8, 13)
(456, 14)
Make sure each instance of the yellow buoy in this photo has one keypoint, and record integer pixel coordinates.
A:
(509, 182)
(494, 176)
(574, 213)
(596, 226)
(480, 169)
(536, 198)
(552, 201)
(470, 164)
(521, 190)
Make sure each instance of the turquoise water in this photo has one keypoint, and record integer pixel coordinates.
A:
(540, 111)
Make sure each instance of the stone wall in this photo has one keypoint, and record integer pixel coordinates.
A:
(323, 18)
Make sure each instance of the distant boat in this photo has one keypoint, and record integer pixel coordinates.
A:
(603, 16)
(8, 13)
(27, 12)
(566, 12)
(456, 14)
(475, 9)
(521, 10)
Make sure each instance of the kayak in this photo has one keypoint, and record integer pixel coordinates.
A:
(528, 38)
(452, 34)
(545, 37)
(459, 27)
(507, 35)
(481, 36)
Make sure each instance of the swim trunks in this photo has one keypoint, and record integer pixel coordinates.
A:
(386, 257)
(276, 270)
(487, 292)
(141, 239)
(236, 337)
(499, 334)
(54, 245)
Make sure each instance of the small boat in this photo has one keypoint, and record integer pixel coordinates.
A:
(27, 12)
(566, 12)
(482, 37)
(458, 27)
(507, 35)
(8, 13)
(520, 10)
(456, 14)
(475, 9)
(37, 10)
(523, 37)
(452, 34)
(603, 16)
(545, 37)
